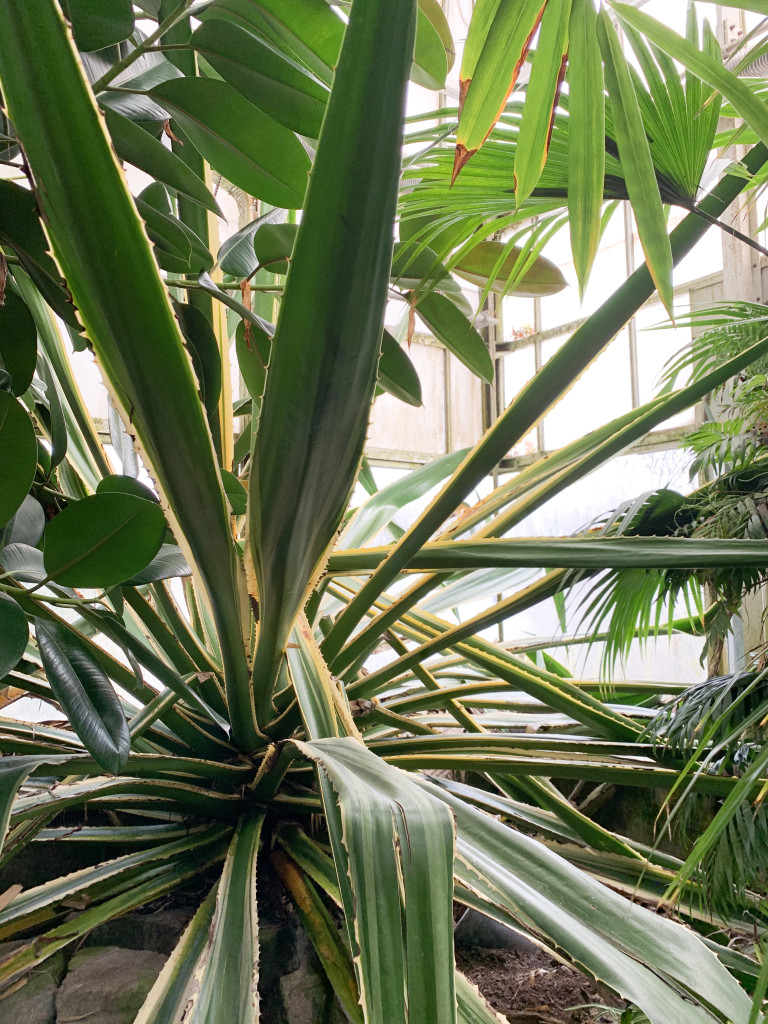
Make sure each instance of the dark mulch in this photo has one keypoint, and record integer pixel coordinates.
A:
(532, 988)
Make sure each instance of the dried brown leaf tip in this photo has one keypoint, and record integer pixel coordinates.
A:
(461, 158)
(464, 85)
(170, 133)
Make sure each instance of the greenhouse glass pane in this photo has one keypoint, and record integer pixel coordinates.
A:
(601, 394)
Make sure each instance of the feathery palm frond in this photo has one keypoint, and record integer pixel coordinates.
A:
(719, 726)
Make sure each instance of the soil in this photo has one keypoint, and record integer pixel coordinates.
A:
(532, 988)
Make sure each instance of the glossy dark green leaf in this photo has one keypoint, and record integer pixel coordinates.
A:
(86, 695)
(26, 526)
(18, 342)
(146, 72)
(168, 563)
(116, 483)
(236, 255)
(103, 540)
(14, 634)
(204, 349)
(97, 24)
(138, 147)
(18, 455)
(430, 59)
(450, 326)
(253, 347)
(272, 81)
(434, 11)
(234, 304)
(235, 492)
(20, 228)
(177, 247)
(307, 30)
(23, 562)
(323, 368)
(273, 244)
(397, 374)
(247, 146)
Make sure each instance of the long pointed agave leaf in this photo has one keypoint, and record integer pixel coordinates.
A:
(607, 442)
(570, 553)
(472, 1006)
(378, 511)
(151, 885)
(323, 369)
(99, 240)
(49, 900)
(81, 426)
(639, 954)
(13, 772)
(168, 997)
(553, 691)
(313, 684)
(388, 840)
(226, 975)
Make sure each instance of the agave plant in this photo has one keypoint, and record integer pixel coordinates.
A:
(209, 633)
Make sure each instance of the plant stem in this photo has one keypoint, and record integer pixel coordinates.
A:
(148, 45)
(166, 47)
(181, 283)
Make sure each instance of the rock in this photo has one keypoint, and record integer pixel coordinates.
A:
(308, 997)
(158, 932)
(293, 987)
(34, 1002)
(106, 985)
